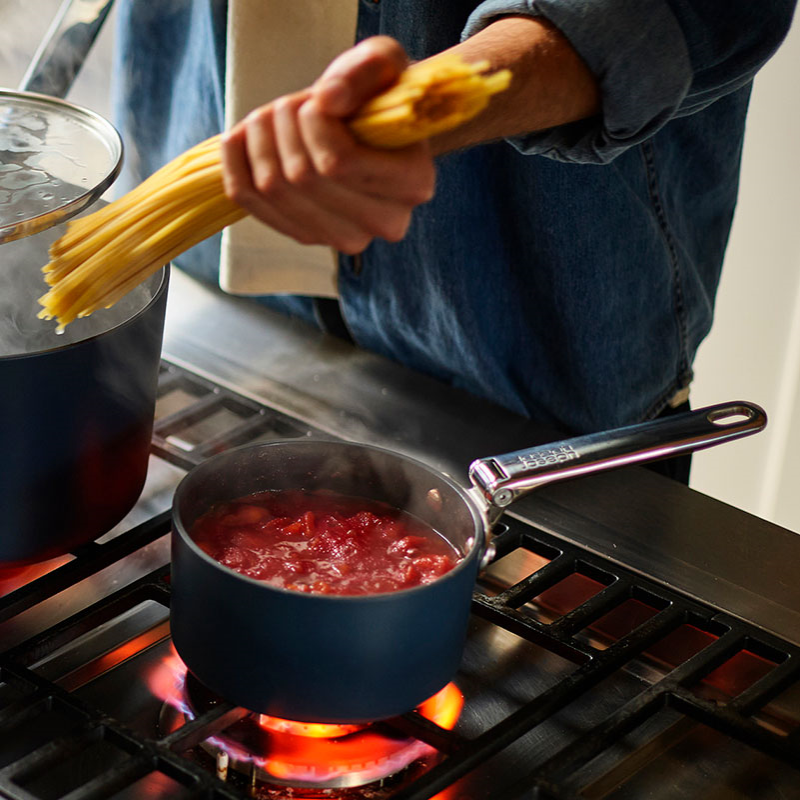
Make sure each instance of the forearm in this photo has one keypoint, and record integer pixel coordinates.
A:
(551, 85)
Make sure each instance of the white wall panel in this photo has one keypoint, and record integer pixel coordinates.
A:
(753, 351)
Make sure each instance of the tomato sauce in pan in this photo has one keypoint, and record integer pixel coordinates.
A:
(324, 543)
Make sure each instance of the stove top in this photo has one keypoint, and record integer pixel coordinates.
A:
(624, 642)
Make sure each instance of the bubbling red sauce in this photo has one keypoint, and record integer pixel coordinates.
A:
(324, 543)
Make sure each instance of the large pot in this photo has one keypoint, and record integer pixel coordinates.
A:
(335, 659)
(76, 410)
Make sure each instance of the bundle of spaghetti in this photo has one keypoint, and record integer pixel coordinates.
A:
(104, 255)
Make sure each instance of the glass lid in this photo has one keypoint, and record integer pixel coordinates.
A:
(56, 158)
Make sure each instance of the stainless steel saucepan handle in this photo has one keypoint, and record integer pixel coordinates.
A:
(505, 478)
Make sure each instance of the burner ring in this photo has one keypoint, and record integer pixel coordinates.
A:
(357, 756)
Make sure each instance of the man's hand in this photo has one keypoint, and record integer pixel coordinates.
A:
(295, 165)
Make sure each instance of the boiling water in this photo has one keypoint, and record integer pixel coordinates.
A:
(22, 284)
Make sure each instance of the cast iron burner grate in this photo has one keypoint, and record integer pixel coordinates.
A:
(705, 676)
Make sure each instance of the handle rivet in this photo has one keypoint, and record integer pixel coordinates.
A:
(503, 497)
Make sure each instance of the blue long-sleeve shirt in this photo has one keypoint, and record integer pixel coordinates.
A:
(567, 274)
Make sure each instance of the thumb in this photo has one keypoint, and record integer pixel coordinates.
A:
(359, 74)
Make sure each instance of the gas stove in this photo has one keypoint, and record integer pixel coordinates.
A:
(630, 639)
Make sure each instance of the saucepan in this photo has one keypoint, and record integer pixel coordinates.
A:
(342, 659)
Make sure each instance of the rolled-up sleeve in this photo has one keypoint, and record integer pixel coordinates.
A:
(653, 60)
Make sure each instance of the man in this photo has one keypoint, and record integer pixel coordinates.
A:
(558, 255)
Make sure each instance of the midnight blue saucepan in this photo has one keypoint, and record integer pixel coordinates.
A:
(335, 659)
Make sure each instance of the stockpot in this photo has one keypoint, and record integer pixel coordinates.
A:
(77, 409)
(76, 419)
(336, 659)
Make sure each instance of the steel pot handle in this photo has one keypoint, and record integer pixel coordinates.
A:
(503, 479)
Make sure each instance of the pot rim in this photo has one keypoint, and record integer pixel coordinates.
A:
(477, 542)
(157, 294)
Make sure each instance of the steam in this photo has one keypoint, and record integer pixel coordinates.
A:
(21, 285)
(21, 280)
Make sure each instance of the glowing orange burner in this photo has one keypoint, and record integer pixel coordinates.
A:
(301, 753)
(312, 730)
(13, 577)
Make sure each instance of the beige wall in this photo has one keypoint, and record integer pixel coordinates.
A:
(753, 351)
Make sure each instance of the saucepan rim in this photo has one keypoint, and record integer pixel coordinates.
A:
(477, 542)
